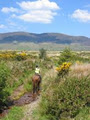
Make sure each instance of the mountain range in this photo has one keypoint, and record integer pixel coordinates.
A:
(58, 38)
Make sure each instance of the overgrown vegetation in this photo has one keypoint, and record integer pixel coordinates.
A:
(4, 74)
(14, 73)
(65, 92)
(16, 69)
(66, 99)
(67, 96)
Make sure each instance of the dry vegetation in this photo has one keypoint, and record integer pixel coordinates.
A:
(80, 70)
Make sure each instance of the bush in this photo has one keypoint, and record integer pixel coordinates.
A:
(42, 54)
(63, 69)
(69, 56)
(4, 74)
(20, 57)
(66, 56)
(65, 99)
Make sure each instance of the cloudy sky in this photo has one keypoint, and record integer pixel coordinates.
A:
(40, 16)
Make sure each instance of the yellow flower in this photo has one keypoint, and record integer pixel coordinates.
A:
(64, 68)
(57, 68)
(23, 54)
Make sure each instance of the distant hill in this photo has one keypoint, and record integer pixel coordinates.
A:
(57, 38)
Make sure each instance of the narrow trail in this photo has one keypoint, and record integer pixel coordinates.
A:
(27, 100)
(29, 108)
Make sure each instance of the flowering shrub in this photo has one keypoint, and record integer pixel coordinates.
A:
(13, 55)
(6, 56)
(21, 56)
(63, 69)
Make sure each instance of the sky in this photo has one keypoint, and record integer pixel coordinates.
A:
(70, 17)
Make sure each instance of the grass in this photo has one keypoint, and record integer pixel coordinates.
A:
(16, 113)
(84, 114)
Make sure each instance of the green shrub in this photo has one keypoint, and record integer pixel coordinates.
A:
(42, 54)
(20, 57)
(4, 74)
(65, 99)
(66, 56)
(69, 56)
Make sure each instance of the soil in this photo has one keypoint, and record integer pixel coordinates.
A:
(25, 99)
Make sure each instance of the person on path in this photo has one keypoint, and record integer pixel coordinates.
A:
(37, 71)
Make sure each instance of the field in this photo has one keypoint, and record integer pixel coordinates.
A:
(30, 46)
(65, 87)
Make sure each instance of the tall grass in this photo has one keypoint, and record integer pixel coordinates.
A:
(80, 70)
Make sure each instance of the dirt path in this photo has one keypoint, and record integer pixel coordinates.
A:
(25, 99)
(28, 112)
(29, 108)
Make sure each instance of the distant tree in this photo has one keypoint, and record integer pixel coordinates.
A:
(42, 54)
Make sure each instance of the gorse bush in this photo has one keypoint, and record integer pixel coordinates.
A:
(21, 56)
(8, 55)
(4, 74)
(63, 69)
(65, 99)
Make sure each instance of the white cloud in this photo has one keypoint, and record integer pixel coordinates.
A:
(42, 16)
(40, 11)
(2, 26)
(39, 4)
(7, 10)
(81, 15)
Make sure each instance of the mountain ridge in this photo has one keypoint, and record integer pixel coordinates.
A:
(58, 38)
